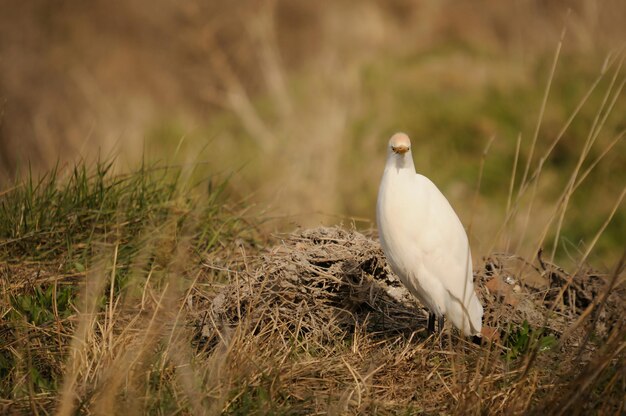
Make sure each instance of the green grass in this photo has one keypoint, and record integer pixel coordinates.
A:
(64, 219)
(522, 339)
(54, 231)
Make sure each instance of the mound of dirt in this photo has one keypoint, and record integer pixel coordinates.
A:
(325, 278)
(332, 279)
(546, 296)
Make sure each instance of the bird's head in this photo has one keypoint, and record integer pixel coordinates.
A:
(399, 144)
(399, 158)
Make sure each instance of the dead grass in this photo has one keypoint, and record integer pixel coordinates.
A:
(312, 324)
(328, 291)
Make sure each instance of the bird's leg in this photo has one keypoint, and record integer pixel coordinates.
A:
(440, 322)
(431, 322)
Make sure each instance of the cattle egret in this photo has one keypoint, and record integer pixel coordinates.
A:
(425, 242)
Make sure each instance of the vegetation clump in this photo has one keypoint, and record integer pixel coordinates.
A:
(135, 292)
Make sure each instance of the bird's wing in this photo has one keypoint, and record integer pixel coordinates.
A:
(447, 261)
(446, 254)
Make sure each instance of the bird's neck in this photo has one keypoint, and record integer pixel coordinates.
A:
(400, 165)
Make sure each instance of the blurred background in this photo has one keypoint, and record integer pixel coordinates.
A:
(295, 100)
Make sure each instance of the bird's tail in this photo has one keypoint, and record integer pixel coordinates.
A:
(467, 317)
(475, 312)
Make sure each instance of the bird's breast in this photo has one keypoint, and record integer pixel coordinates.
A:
(402, 216)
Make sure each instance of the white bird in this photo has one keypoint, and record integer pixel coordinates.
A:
(425, 242)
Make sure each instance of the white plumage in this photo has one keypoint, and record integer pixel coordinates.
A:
(425, 242)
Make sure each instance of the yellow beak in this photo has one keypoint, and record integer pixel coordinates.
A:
(400, 149)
